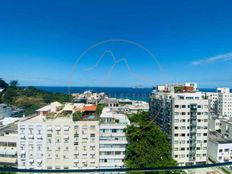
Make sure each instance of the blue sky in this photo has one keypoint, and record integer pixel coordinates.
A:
(40, 42)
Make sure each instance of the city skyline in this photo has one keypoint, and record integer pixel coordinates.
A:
(40, 42)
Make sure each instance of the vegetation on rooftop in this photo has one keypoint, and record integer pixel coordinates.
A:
(28, 98)
(148, 145)
(99, 109)
(77, 116)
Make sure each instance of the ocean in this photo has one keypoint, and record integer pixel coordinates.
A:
(115, 92)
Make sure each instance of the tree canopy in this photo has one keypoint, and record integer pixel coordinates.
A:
(147, 146)
(29, 98)
(77, 116)
(3, 84)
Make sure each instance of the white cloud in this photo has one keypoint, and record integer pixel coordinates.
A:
(221, 57)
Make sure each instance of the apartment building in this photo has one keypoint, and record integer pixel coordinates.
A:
(224, 102)
(8, 149)
(182, 112)
(112, 138)
(215, 123)
(219, 147)
(52, 140)
(226, 126)
(213, 101)
(32, 143)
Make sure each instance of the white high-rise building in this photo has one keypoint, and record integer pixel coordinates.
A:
(224, 102)
(113, 138)
(183, 114)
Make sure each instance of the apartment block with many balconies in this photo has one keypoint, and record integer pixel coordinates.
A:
(53, 140)
(182, 112)
(113, 140)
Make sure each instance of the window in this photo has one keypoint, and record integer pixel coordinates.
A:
(76, 127)
(176, 106)
(92, 127)
(92, 135)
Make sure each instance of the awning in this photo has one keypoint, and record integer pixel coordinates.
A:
(8, 160)
(39, 137)
(39, 160)
(11, 152)
(66, 136)
(2, 151)
(23, 152)
(66, 128)
(22, 136)
(31, 136)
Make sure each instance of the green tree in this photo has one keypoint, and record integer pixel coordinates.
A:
(77, 116)
(99, 109)
(3, 84)
(9, 95)
(14, 83)
(147, 146)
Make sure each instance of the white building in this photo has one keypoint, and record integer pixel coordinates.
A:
(224, 102)
(219, 147)
(213, 100)
(52, 140)
(226, 127)
(183, 114)
(8, 149)
(112, 138)
(214, 123)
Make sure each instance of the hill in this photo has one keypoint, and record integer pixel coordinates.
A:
(28, 98)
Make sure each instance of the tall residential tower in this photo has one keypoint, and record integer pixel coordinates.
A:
(182, 112)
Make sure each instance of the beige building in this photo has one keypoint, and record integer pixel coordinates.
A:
(52, 140)
(8, 149)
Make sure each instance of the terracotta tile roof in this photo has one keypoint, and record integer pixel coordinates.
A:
(89, 108)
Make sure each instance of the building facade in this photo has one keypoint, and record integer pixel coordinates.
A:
(183, 114)
(112, 138)
(219, 148)
(8, 149)
(224, 102)
(54, 140)
(58, 143)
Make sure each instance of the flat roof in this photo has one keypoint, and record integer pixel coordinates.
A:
(219, 138)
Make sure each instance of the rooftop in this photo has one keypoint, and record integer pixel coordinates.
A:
(177, 88)
(219, 138)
